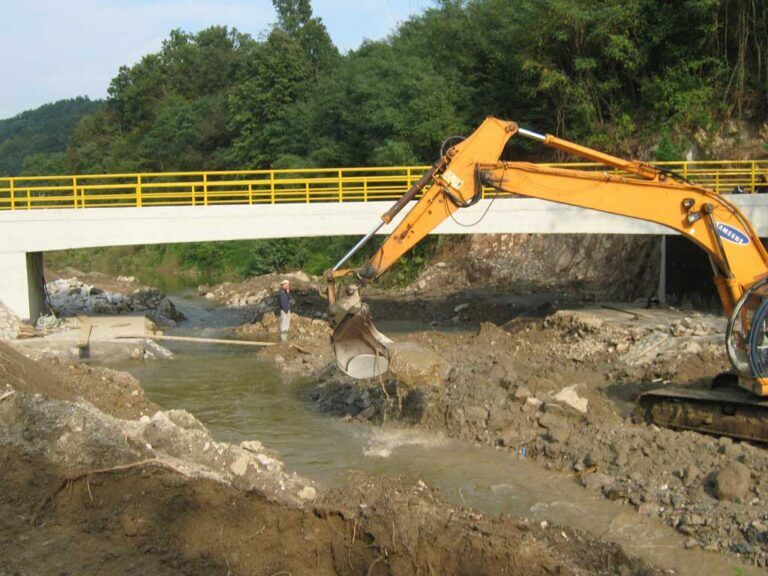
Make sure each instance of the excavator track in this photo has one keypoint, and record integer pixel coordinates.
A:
(726, 411)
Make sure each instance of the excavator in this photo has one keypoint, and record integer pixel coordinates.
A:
(737, 402)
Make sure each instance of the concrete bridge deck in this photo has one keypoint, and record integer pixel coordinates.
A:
(44, 213)
(27, 233)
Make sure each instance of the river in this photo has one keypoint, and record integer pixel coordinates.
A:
(239, 396)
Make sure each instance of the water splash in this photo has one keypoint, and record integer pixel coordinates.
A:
(383, 442)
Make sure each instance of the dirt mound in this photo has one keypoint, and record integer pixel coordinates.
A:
(153, 521)
(116, 393)
(307, 351)
(258, 294)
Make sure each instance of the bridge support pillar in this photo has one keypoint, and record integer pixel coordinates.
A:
(21, 283)
(662, 292)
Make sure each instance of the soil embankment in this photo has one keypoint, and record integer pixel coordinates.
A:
(559, 386)
(95, 480)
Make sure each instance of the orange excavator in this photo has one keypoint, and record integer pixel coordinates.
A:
(737, 403)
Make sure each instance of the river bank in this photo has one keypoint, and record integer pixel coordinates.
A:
(133, 488)
(500, 387)
(556, 381)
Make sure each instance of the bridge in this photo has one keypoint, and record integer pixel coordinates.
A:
(45, 213)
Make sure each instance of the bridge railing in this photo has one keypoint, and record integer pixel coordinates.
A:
(291, 186)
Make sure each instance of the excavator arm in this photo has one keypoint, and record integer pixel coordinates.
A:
(634, 189)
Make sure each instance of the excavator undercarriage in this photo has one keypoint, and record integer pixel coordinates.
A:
(726, 411)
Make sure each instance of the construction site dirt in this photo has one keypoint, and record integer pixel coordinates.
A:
(89, 459)
(558, 380)
(92, 486)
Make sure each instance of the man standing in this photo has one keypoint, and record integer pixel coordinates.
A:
(284, 301)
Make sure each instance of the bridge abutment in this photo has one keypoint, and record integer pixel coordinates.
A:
(21, 283)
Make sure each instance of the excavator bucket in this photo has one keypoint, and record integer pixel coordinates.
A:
(361, 350)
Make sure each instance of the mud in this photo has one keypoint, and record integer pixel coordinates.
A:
(561, 390)
(90, 486)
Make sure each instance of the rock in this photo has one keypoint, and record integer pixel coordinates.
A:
(596, 481)
(498, 417)
(732, 482)
(252, 446)
(476, 415)
(240, 466)
(569, 396)
(522, 393)
(184, 419)
(695, 520)
(557, 427)
(415, 365)
(690, 475)
(691, 347)
(534, 402)
(269, 463)
(307, 493)
(647, 509)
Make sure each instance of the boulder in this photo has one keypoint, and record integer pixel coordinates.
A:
(732, 482)
(415, 365)
(570, 397)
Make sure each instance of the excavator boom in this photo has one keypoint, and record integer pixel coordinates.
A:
(631, 188)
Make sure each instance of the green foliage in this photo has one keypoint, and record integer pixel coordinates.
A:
(621, 75)
(38, 133)
(668, 150)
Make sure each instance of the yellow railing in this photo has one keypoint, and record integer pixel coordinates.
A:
(282, 186)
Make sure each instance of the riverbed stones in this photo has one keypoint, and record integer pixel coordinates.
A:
(732, 482)
(69, 296)
(570, 397)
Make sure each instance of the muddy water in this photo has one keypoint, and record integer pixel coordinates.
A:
(240, 397)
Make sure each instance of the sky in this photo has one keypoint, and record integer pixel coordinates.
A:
(54, 49)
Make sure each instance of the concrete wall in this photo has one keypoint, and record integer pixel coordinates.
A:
(44, 230)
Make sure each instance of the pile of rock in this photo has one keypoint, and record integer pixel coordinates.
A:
(9, 323)
(258, 294)
(78, 435)
(261, 300)
(69, 296)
